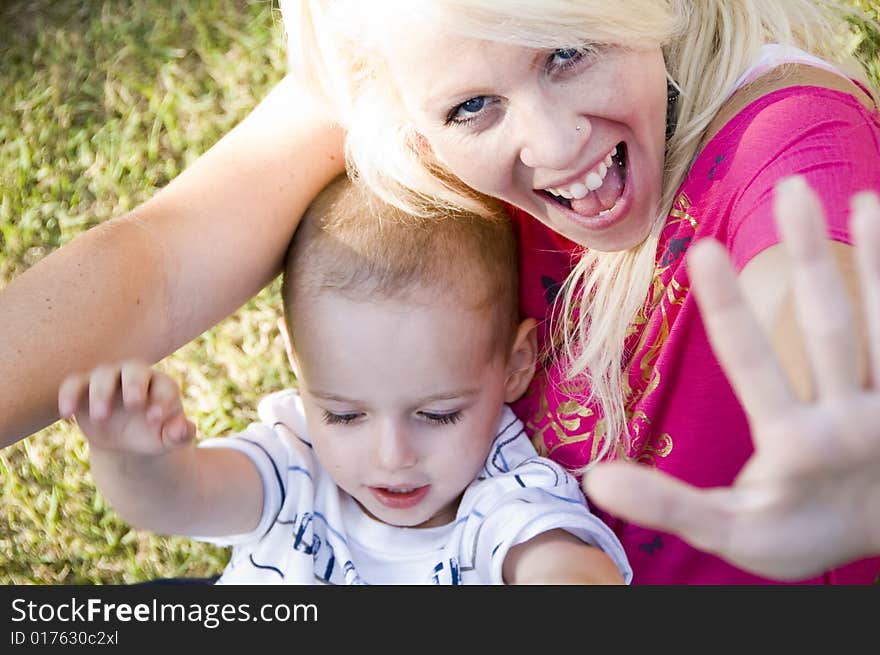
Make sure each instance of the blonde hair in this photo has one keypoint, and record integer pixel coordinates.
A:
(351, 243)
(707, 45)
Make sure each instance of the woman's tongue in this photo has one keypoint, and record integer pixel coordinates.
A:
(602, 198)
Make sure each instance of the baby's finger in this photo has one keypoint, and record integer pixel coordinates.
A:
(866, 231)
(825, 316)
(103, 384)
(135, 377)
(178, 431)
(736, 336)
(70, 394)
(163, 398)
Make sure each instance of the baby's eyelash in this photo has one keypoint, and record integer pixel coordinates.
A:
(442, 419)
(336, 419)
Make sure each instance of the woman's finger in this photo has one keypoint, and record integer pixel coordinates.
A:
(736, 336)
(655, 500)
(866, 232)
(103, 384)
(824, 314)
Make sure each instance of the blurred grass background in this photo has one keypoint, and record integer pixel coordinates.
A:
(103, 102)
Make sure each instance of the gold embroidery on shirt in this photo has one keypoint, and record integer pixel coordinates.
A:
(565, 423)
(661, 447)
(679, 211)
(644, 451)
(661, 298)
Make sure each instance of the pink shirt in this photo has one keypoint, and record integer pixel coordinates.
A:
(683, 415)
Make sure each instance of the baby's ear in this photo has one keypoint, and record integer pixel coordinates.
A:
(288, 345)
(521, 363)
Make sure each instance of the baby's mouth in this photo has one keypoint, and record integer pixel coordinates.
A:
(400, 497)
(599, 190)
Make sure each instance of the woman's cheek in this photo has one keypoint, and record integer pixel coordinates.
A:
(478, 172)
(451, 154)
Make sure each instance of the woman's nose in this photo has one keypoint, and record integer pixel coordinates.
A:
(551, 139)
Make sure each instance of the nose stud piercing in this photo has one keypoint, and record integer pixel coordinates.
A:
(577, 127)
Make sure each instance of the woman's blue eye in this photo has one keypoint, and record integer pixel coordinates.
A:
(474, 105)
(564, 58)
(466, 111)
(566, 53)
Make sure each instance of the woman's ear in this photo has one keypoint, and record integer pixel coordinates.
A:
(521, 363)
(288, 346)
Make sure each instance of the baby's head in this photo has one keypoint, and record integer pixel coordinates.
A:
(406, 342)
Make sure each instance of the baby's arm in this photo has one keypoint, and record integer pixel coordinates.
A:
(144, 459)
(558, 557)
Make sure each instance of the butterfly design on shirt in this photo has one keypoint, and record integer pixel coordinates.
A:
(551, 289)
(718, 160)
(650, 547)
(674, 250)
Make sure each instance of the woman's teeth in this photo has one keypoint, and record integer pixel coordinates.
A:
(592, 181)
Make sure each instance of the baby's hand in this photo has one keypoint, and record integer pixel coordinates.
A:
(128, 407)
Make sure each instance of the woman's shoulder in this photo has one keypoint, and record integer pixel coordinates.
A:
(797, 82)
(788, 122)
(809, 122)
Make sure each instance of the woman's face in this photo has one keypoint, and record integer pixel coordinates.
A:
(574, 137)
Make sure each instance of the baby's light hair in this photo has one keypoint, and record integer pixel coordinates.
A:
(334, 46)
(352, 243)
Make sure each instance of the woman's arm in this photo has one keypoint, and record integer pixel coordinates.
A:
(144, 284)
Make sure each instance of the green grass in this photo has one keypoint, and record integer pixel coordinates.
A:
(102, 103)
(866, 36)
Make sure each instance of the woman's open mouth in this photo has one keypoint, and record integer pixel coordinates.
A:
(596, 195)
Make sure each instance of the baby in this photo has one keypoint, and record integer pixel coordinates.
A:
(397, 460)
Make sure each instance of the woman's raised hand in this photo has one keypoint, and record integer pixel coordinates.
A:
(809, 497)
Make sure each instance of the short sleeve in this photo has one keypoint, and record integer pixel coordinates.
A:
(520, 495)
(529, 511)
(271, 455)
(827, 136)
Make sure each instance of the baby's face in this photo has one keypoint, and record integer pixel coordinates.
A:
(402, 399)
